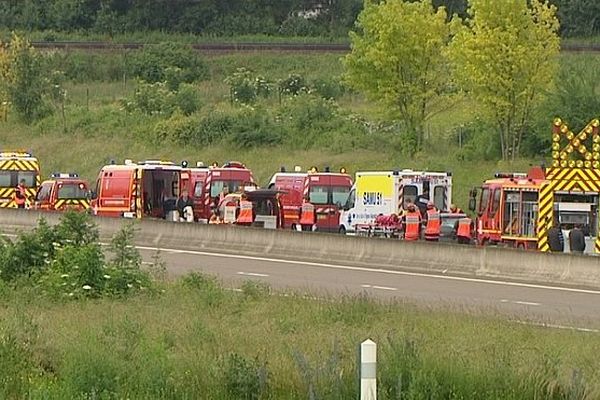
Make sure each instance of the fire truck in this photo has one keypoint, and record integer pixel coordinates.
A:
(17, 167)
(63, 192)
(385, 193)
(508, 209)
(207, 186)
(520, 209)
(137, 190)
(327, 191)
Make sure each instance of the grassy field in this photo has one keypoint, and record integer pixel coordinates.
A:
(196, 340)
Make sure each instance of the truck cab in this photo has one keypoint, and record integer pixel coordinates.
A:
(17, 167)
(327, 191)
(63, 192)
(208, 185)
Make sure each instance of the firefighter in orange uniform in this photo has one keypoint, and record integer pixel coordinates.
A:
(307, 215)
(432, 223)
(412, 223)
(245, 217)
(464, 228)
(21, 194)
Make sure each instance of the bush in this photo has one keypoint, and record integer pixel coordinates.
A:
(293, 85)
(246, 379)
(300, 26)
(328, 88)
(168, 61)
(254, 128)
(151, 99)
(187, 99)
(245, 88)
(67, 261)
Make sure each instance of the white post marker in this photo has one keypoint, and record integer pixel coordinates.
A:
(368, 370)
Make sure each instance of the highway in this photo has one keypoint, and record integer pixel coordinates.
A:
(553, 306)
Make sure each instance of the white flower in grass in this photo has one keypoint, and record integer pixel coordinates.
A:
(106, 276)
(129, 285)
(86, 287)
(71, 294)
(64, 276)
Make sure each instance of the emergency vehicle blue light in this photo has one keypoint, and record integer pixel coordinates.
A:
(282, 169)
(184, 163)
(63, 175)
(327, 169)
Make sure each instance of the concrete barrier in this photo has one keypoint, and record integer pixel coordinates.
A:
(489, 262)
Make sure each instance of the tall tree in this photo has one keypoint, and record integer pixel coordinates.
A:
(506, 59)
(397, 59)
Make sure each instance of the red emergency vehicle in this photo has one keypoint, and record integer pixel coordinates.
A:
(63, 192)
(327, 191)
(136, 190)
(207, 186)
(508, 209)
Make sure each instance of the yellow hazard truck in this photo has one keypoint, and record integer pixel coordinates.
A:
(15, 168)
(387, 193)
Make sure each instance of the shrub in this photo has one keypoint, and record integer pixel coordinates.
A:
(293, 85)
(300, 26)
(151, 99)
(254, 128)
(164, 61)
(187, 99)
(245, 88)
(245, 379)
(328, 88)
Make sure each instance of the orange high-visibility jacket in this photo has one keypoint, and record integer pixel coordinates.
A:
(307, 214)
(464, 228)
(412, 223)
(20, 195)
(245, 215)
(433, 227)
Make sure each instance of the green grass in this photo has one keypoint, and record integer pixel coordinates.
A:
(196, 340)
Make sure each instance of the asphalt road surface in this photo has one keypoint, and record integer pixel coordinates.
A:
(548, 305)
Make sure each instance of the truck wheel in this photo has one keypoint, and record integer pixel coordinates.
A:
(342, 230)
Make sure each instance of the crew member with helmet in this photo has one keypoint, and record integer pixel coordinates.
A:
(432, 223)
(412, 223)
(463, 229)
(20, 196)
(307, 215)
(246, 213)
(455, 210)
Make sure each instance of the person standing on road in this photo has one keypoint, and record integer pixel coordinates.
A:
(246, 213)
(20, 196)
(185, 206)
(307, 215)
(577, 240)
(556, 240)
(463, 228)
(421, 202)
(432, 223)
(412, 223)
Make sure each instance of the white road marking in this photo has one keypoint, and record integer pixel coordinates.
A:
(524, 303)
(376, 270)
(379, 287)
(252, 274)
(555, 326)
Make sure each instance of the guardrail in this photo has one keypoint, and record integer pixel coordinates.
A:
(250, 46)
(448, 259)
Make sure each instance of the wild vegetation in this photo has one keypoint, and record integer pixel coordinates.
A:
(73, 325)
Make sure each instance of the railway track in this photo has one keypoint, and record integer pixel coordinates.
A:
(251, 47)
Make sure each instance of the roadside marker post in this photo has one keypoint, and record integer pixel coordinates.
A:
(368, 370)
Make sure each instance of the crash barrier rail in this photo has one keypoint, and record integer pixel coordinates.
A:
(435, 258)
(249, 46)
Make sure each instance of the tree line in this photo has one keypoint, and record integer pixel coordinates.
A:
(235, 17)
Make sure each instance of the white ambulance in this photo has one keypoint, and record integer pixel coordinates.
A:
(389, 192)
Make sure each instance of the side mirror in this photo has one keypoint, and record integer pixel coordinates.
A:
(473, 193)
(91, 195)
(472, 204)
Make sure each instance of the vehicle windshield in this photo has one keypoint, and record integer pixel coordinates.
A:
(13, 178)
(319, 194)
(72, 191)
(340, 194)
(216, 187)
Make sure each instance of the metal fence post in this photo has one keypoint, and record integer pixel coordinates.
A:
(368, 370)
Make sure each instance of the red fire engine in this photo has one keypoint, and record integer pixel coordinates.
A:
(508, 209)
(327, 191)
(136, 190)
(207, 186)
(63, 192)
